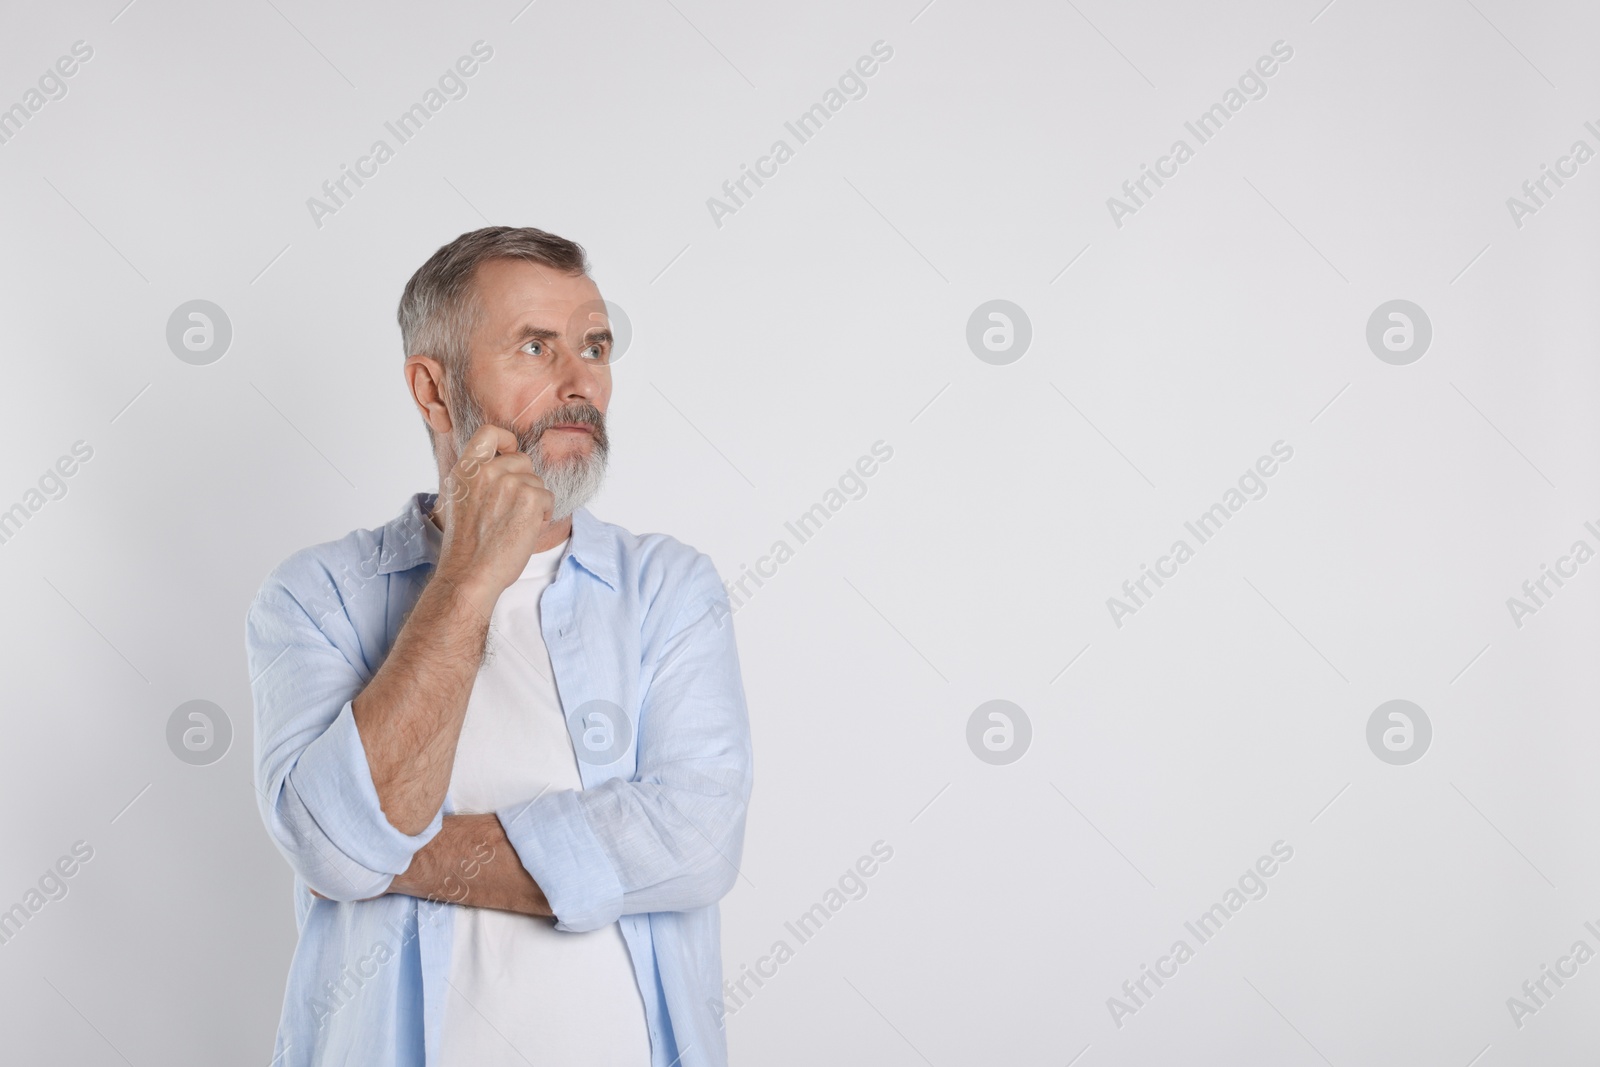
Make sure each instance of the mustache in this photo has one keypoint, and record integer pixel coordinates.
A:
(580, 412)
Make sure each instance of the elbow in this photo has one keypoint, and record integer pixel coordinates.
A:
(329, 872)
(723, 854)
(313, 856)
(344, 879)
(346, 888)
(720, 885)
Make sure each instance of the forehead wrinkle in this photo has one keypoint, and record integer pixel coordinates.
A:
(530, 331)
(533, 331)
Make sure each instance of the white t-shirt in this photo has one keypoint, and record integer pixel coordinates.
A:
(523, 992)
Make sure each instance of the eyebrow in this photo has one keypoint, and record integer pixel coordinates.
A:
(531, 332)
(544, 333)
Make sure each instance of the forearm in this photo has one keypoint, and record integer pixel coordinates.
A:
(409, 716)
(471, 862)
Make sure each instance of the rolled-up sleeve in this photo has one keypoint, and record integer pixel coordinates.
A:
(313, 784)
(670, 839)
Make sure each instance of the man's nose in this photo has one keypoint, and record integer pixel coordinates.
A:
(578, 378)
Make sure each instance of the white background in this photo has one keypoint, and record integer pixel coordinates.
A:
(769, 353)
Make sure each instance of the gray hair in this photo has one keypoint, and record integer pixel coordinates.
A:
(439, 310)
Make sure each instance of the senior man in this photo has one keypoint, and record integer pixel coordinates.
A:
(502, 744)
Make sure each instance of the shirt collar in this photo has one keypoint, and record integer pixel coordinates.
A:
(410, 540)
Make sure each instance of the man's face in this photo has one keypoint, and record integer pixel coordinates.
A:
(539, 367)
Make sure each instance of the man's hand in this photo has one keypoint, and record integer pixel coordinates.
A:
(471, 862)
(494, 508)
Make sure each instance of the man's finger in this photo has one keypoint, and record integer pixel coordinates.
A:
(491, 440)
(545, 498)
(515, 460)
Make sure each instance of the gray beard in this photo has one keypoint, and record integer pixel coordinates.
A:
(574, 481)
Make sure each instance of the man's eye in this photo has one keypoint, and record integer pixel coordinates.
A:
(598, 349)
(540, 345)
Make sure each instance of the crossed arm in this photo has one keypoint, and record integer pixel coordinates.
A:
(358, 814)
(409, 718)
(470, 862)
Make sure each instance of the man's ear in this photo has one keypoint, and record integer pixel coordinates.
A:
(425, 379)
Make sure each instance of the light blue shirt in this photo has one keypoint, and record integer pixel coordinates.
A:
(651, 841)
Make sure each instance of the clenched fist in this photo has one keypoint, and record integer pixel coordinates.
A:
(494, 509)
